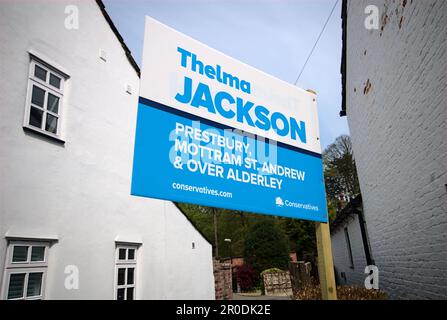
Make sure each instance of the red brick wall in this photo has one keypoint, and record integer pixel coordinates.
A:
(223, 279)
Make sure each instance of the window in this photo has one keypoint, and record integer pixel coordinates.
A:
(125, 272)
(25, 270)
(348, 244)
(43, 112)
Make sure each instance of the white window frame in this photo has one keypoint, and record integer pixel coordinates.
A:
(45, 85)
(26, 267)
(119, 264)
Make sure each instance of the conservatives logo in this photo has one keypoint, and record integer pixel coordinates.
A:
(279, 202)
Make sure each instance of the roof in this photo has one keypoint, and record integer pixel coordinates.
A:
(351, 209)
(112, 26)
(344, 24)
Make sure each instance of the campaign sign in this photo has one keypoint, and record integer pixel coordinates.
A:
(214, 131)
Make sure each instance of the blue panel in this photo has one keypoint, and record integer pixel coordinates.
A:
(160, 171)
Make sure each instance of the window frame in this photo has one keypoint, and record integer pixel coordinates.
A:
(27, 272)
(27, 268)
(28, 264)
(125, 264)
(45, 85)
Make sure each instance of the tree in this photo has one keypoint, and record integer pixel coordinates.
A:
(301, 234)
(340, 171)
(266, 246)
(340, 178)
(230, 224)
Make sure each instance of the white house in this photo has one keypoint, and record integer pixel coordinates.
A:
(394, 96)
(69, 228)
(350, 244)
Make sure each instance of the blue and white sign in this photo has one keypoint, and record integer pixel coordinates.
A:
(216, 132)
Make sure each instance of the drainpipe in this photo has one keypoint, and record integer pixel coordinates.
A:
(367, 248)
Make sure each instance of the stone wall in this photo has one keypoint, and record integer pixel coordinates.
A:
(277, 283)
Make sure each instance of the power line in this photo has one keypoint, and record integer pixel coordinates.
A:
(316, 42)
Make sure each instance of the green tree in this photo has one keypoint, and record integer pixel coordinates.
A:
(231, 224)
(301, 235)
(340, 171)
(266, 246)
(340, 178)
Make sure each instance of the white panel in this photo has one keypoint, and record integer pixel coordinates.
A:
(162, 78)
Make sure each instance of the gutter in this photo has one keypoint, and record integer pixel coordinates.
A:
(365, 239)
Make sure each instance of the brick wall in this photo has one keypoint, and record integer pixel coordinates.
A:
(397, 114)
(223, 279)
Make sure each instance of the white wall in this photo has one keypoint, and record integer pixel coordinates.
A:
(399, 134)
(340, 253)
(80, 190)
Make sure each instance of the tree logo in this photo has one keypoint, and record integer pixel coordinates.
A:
(279, 202)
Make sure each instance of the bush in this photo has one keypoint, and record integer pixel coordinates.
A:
(271, 270)
(245, 278)
(266, 246)
(313, 292)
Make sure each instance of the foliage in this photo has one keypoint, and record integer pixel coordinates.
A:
(339, 169)
(340, 178)
(340, 174)
(271, 270)
(245, 277)
(231, 224)
(301, 234)
(313, 292)
(266, 246)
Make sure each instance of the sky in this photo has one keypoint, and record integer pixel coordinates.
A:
(274, 36)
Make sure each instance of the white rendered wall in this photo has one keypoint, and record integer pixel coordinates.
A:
(80, 190)
(340, 252)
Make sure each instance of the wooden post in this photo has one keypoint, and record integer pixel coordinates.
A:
(324, 247)
(325, 262)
